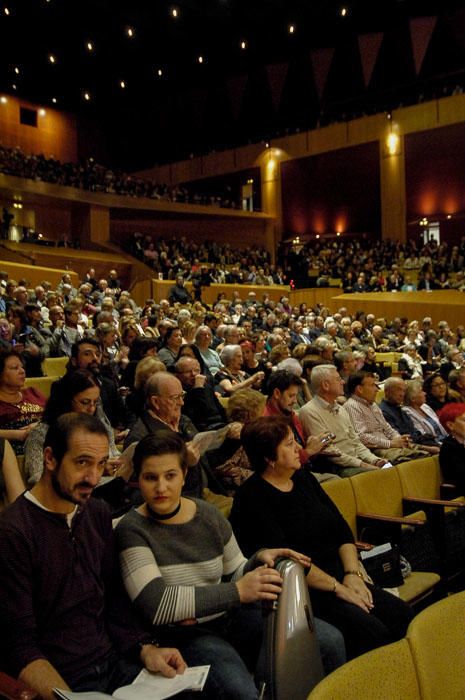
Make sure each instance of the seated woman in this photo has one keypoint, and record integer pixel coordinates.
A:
(185, 574)
(232, 377)
(410, 363)
(11, 481)
(282, 504)
(77, 391)
(20, 407)
(424, 419)
(437, 392)
(172, 341)
(452, 453)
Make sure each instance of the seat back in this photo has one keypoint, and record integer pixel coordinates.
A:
(436, 641)
(378, 492)
(42, 384)
(386, 672)
(420, 478)
(54, 366)
(342, 495)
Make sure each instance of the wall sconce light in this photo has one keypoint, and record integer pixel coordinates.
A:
(392, 139)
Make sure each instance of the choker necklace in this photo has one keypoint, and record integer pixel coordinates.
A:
(163, 516)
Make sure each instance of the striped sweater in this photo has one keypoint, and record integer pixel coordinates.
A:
(177, 572)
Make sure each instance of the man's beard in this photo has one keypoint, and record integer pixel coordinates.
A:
(67, 496)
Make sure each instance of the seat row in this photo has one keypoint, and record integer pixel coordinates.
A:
(405, 505)
(428, 664)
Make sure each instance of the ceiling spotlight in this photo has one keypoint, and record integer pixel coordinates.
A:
(159, 72)
(291, 28)
(122, 84)
(174, 12)
(344, 12)
(243, 44)
(42, 112)
(3, 100)
(449, 216)
(200, 59)
(86, 96)
(54, 100)
(14, 86)
(89, 46)
(16, 70)
(317, 235)
(6, 11)
(130, 32)
(51, 58)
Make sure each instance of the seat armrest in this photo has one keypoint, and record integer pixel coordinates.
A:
(363, 546)
(414, 522)
(15, 689)
(444, 503)
(449, 491)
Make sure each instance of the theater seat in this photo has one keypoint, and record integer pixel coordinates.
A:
(54, 366)
(387, 673)
(42, 384)
(14, 689)
(436, 640)
(416, 587)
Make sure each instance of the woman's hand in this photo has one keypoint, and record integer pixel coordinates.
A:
(262, 583)
(350, 596)
(268, 556)
(21, 433)
(316, 443)
(358, 585)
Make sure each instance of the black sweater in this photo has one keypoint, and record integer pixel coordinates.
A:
(304, 519)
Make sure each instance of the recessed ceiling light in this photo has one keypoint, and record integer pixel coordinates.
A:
(86, 96)
(344, 11)
(243, 44)
(14, 86)
(122, 84)
(291, 29)
(51, 58)
(200, 59)
(130, 32)
(16, 70)
(159, 72)
(3, 100)
(54, 100)
(89, 46)
(42, 112)
(174, 12)
(6, 11)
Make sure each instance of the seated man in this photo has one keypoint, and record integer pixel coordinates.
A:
(201, 404)
(66, 620)
(370, 424)
(391, 408)
(164, 399)
(283, 388)
(323, 413)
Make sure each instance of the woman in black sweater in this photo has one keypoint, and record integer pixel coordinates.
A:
(284, 505)
(452, 453)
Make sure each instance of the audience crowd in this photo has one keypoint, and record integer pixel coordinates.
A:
(295, 396)
(92, 176)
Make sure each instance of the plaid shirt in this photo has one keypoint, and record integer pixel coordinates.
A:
(369, 423)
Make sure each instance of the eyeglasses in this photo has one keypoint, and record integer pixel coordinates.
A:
(435, 384)
(176, 397)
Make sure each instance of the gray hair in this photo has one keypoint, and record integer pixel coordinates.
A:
(390, 383)
(227, 353)
(413, 387)
(320, 374)
(290, 364)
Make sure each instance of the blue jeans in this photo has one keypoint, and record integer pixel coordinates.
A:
(332, 645)
(230, 644)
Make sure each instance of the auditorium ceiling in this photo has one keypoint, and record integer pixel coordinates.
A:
(158, 81)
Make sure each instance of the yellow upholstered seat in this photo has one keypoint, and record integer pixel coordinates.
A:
(386, 673)
(54, 366)
(437, 643)
(42, 384)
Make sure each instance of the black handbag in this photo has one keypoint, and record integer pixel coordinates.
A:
(382, 564)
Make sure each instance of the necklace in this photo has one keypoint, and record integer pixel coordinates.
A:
(164, 516)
